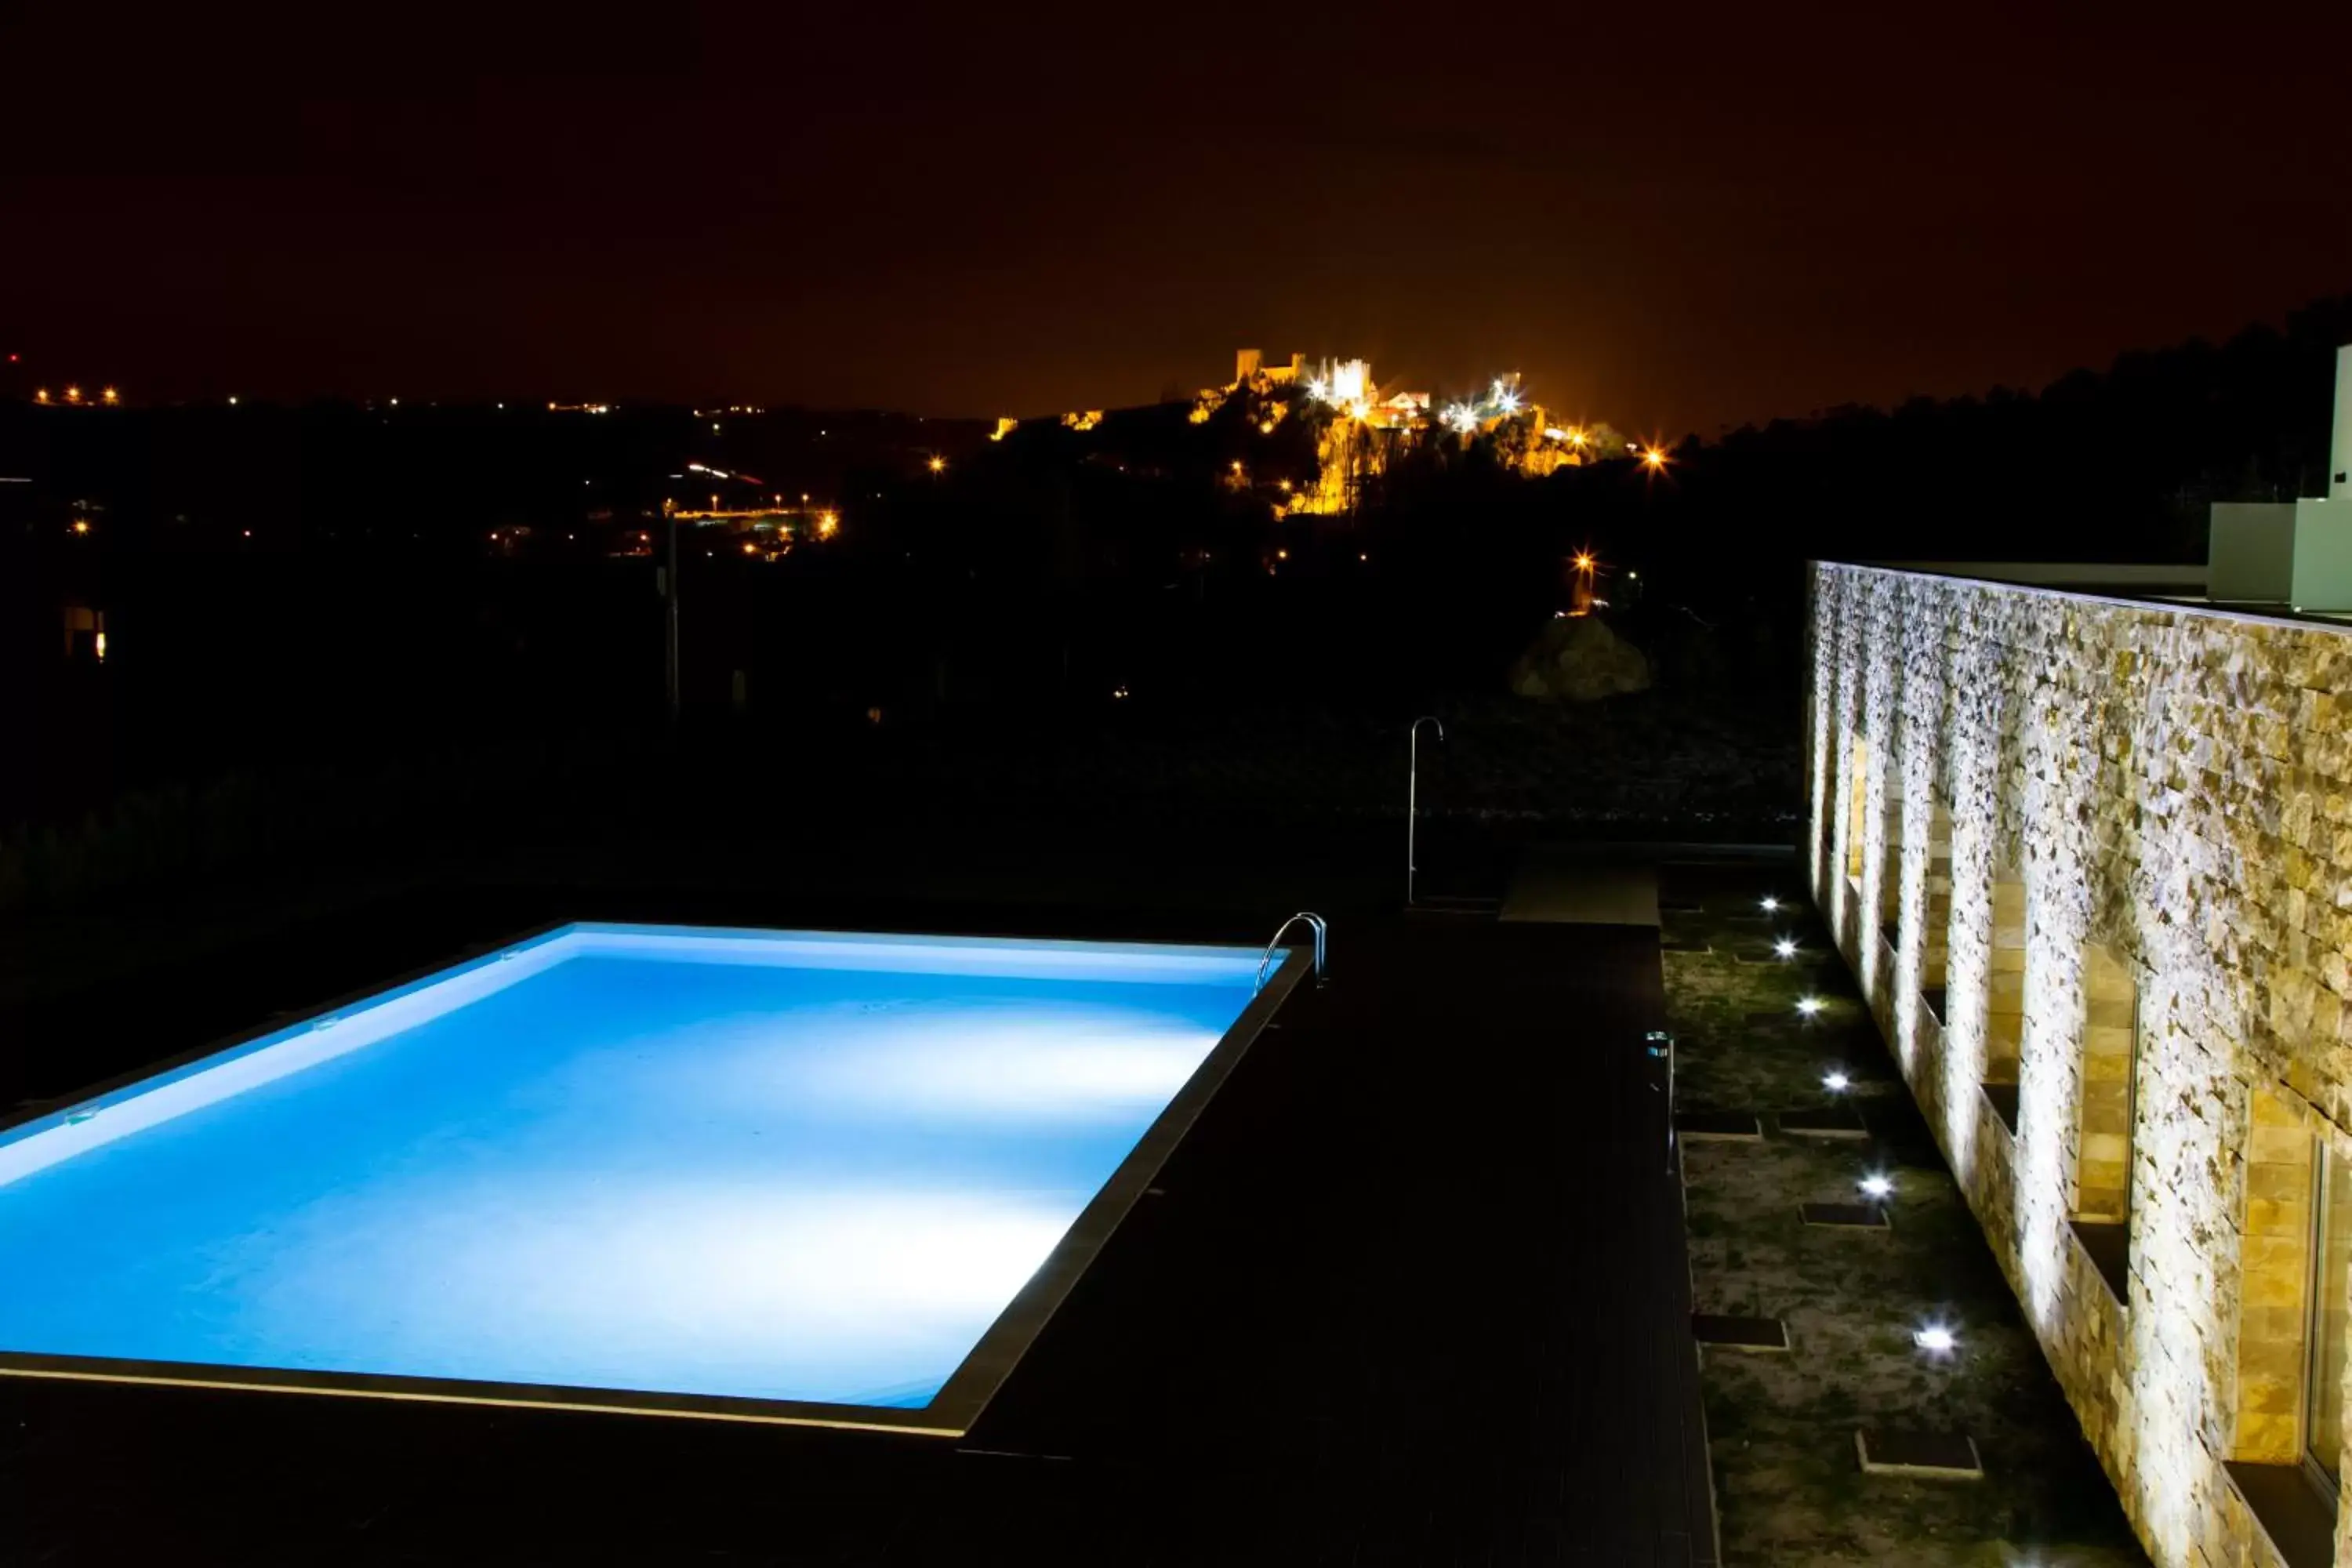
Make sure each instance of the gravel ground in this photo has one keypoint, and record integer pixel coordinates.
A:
(1781, 1426)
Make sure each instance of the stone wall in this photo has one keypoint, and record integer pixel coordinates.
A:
(2103, 851)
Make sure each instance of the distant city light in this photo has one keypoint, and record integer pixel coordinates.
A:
(1281, 555)
(1875, 1186)
(110, 395)
(1808, 1005)
(1837, 1082)
(1461, 417)
(1935, 1339)
(1237, 465)
(80, 525)
(1654, 460)
(98, 645)
(937, 464)
(1583, 561)
(232, 400)
(1786, 947)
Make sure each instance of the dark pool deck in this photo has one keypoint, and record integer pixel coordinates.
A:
(1413, 1291)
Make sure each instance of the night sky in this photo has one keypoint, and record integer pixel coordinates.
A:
(1667, 220)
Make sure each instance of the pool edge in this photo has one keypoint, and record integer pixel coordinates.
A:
(999, 1351)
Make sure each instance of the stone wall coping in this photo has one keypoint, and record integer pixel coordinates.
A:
(2112, 601)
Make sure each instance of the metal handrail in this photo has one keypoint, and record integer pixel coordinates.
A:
(1412, 797)
(1321, 931)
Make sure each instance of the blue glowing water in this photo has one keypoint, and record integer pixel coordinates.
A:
(759, 1164)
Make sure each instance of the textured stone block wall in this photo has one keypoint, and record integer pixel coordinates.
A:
(2115, 845)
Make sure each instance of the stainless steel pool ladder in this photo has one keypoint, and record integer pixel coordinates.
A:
(1413, 798)
(1321, 932)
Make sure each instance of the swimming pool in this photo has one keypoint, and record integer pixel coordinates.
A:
(790, 1176)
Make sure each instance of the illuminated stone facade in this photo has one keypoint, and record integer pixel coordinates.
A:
(2097, 856)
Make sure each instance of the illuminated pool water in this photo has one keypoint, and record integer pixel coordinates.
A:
(751, 1174)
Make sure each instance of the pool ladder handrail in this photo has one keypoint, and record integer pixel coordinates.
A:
(1321, 932)
(1412, 800)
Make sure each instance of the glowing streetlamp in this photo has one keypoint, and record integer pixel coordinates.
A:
(937, 464)
(1654, 461)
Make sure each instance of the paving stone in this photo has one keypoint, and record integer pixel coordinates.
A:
(1721, 1126)
(1940, 1455)
(1738, 1333)
(1830, 1122)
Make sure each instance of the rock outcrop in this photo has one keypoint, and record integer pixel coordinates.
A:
(1577, 658)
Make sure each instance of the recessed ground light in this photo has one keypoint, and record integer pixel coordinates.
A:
(1936, 1339)
(1786, 947)
(1875, 1186)
(1808, 1005)
(1769, 903)
(1837, 1082)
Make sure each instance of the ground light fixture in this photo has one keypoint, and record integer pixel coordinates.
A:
(1786, 947)
(1935, 1339)
(1769, 903)
(1837, 1082)
(1877, 1185)
(1808, 1005)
